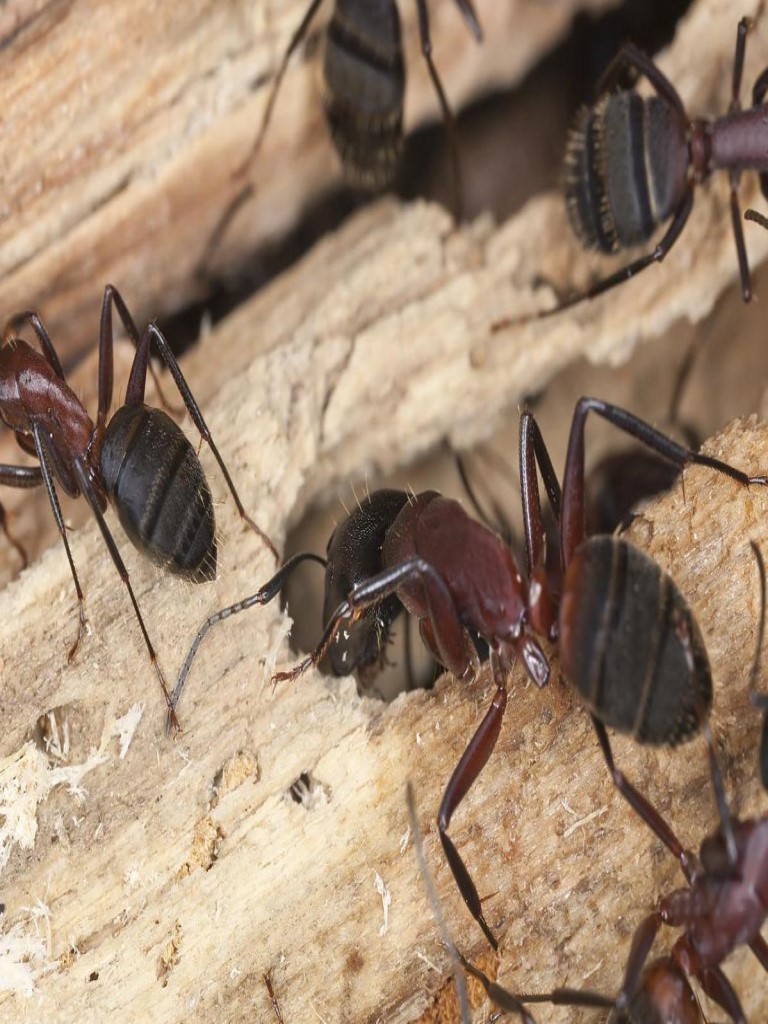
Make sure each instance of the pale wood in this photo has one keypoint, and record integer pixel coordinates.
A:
(124, 124)
(121, 872)
(344, 363)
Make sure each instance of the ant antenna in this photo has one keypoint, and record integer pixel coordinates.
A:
(429, 885)
(684, 634)
(758, 218)
(760, 700)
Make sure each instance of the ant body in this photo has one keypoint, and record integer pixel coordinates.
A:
(459, 579)
(140, 460)
(723, 907)
(363, 93)
(353, 555)
(632, 163)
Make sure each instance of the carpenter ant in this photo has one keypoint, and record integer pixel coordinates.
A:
(363, 90)
(140, 460)
(632, 163)
(457, 577)
(722, 908)
(353, 555)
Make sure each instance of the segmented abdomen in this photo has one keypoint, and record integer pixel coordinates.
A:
(154, 479)
(622, 620)
(364, 84)
(626, 167)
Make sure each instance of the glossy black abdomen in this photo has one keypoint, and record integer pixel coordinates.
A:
(154, 479)
(364, 85)
(626, 170)
(621, 621)
(354, 556)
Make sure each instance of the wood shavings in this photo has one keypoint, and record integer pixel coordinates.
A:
(386, 902)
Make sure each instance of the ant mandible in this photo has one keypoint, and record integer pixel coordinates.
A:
(632, 163)
(140, 460)
(459, 580)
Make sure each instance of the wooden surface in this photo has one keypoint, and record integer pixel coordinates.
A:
(119, 871)
(173, 878)
(123, 126)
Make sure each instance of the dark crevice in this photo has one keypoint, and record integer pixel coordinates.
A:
(499, 173)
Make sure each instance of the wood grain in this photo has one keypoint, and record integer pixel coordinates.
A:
(168, 883)
(124, 125)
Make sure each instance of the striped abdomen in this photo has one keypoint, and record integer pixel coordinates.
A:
(154, 479)
(621, 620)
(364, 84)
(626, 170)
(354, 556)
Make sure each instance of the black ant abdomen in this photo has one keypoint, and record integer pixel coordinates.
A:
(626, 170)
(354, 554)
(154, 479)
(620, 617)
(363, 91)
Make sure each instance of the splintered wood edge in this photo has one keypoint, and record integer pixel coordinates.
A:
(160, 109)
(182, 873)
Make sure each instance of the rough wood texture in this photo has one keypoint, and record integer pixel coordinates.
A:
(176, 912)
(127, 895)
(122, 130)
(347, 362)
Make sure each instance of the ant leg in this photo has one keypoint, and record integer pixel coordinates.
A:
(758, 96)
(47, 478)
(720, 990)
(15, 323)
(642, 941)
(572, 524)
(469, 14)
(645, 808)
(498, 995)
(106, 360)
(448, 117)
(738, 62)
(738, 234)
(619, 277)
(86, 488)
(760, 700)
(296, 39)
(505, 1000)
(448, 632)
(743, 29)
(134, 395)
(496, 522)
(221, 227)
(267, 978)
(471, 763)
(631, 58)
(429, 885)
(533, 452)
(262, 596)
(18, 476)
